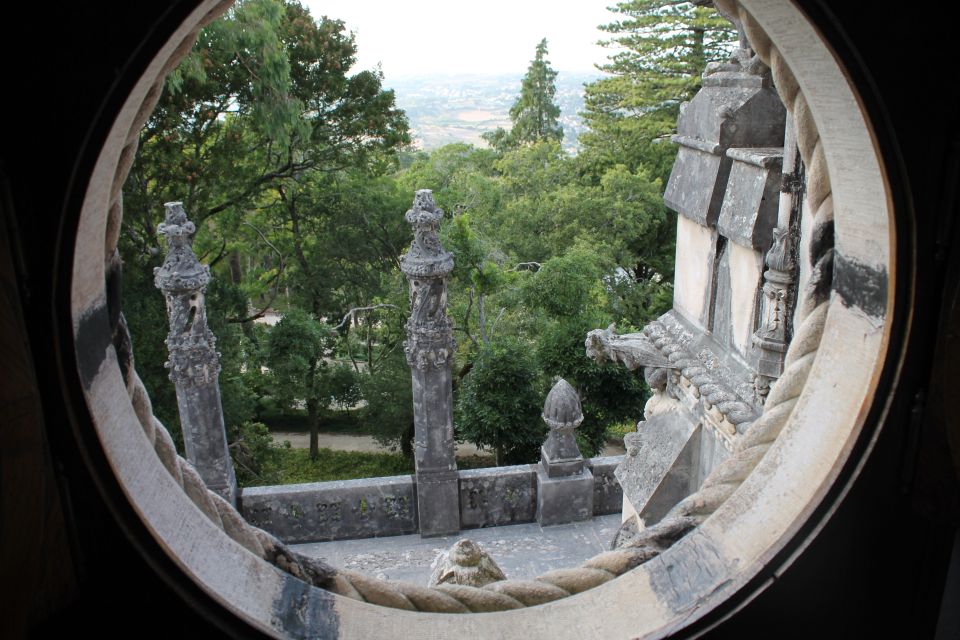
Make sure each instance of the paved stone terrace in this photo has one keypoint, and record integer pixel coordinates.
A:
(521, 550)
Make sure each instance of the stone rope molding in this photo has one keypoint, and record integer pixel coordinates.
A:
(640, 547)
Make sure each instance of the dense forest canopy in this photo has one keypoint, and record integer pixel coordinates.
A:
(297, 171)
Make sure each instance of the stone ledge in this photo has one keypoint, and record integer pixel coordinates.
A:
(337, 510)
(379, 507)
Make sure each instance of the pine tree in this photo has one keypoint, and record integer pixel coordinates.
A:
(663, 47)
(535, 114)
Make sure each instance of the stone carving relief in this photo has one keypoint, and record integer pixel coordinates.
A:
(772, 337)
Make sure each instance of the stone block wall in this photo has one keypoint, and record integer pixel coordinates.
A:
(377, 507)
(497, 496)
(318, 511)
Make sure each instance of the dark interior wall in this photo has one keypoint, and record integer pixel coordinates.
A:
(74, 556)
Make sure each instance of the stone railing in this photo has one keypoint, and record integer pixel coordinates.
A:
(376, 507)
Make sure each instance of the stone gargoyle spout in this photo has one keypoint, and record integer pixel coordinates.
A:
(632, 350)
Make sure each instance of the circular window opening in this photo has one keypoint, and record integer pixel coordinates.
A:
(812, 416)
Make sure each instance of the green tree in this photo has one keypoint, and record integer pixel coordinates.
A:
(500, 400)
(298, 352)
(263, 106)
(534, 114)
(263, 97)
(570, 293)
(662, 48)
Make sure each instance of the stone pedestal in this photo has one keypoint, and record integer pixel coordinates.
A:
(564, 484)
(429, 349)
(194, 363)
(565, 498)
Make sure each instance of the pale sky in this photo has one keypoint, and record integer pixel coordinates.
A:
(426, 37)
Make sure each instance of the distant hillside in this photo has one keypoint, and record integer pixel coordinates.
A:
(446, 109)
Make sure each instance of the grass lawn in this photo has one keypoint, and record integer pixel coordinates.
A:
(291, 466)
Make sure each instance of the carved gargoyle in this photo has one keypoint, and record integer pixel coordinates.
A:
(632, 350)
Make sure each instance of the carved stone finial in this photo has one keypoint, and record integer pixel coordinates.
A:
(183, 280)
(181, 271)
(465, 563)
(772, 338)
(429, 330)
(426, 257)
(560, 455)
(562, 408)
(429, 349)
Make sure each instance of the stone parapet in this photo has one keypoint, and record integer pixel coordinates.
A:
(497, 496)
(339, 510)
(377, 507)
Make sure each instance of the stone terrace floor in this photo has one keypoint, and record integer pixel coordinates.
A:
(521, 550)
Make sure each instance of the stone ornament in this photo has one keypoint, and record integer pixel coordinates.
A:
(772, 338)
(560, 455)
(465, 563)
(183, 281)
(429, 349)
(632, 350)
(194, 363)
(430, 340)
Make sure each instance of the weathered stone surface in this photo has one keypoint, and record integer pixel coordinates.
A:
(429, 348)
(733, 109)
(523, 551)
(465, 563)
(564, 499)
(194, 363)
(659, 469)
(607, 493)
(749, 210)
(337, 510)
(437, 496)
(498, 496)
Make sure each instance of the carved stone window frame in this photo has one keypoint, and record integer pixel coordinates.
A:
(772, 516)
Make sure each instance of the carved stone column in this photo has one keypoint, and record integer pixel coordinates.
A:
(429, 349)
(194, 364)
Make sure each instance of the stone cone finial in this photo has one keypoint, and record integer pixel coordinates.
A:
(562, 407)
(560, 455)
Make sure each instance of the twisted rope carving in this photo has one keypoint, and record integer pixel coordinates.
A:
(717, 394)
(639, 548)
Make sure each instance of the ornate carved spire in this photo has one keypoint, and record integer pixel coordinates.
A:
(182, 279)
(429, 349)
(772, 337)
(429, 331)
(194, 363)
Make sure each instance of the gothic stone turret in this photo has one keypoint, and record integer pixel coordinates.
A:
(194, 363)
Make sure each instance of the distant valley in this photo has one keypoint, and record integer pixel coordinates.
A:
(447, 109)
